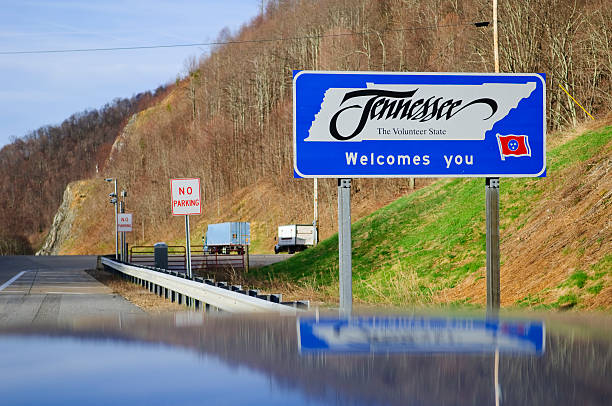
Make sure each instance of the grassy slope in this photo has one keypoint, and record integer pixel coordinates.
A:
(428, 241)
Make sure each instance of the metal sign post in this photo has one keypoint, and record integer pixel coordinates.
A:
(122, 234)
(344, 247)
(492, 230)
(188, 246)
(492, 210)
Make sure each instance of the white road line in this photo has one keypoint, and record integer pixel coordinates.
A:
(13, 279)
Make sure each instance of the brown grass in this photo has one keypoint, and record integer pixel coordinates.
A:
(135, 294)
(569, 229)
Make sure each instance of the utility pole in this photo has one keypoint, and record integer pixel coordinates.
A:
(114, 201)
(315, 221)
(495, 37)
(116, 225)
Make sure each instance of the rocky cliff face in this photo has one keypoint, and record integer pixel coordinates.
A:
(62, 222)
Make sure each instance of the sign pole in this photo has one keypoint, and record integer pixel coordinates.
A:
(492, 209)
(122, 234)
(116, 226)
(492, 225)
(188, 245)
(344, 247)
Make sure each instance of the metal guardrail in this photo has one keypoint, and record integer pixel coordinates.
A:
(174, 286)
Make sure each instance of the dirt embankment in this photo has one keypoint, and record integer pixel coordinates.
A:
(568, 231)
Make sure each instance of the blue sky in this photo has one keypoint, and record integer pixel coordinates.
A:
(41, 89)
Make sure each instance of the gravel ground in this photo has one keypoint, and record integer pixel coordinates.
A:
(136, 294)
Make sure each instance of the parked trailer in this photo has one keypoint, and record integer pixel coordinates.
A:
(294, 237)
(225, 238)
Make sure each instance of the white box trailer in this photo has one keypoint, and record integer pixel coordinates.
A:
(294, 237)
(225, 238)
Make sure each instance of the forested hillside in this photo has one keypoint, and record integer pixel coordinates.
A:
(228, 121)
(35, 169)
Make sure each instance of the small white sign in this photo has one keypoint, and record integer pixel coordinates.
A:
(124, 222)
(186, 196)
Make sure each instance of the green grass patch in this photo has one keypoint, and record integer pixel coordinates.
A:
(579, 149)
(578, 279)
(603, 267)
(529, 301)
(595, 289)
(432, 239)
(569, 300)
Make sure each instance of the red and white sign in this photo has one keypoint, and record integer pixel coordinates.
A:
(124, 222)
(186, 196)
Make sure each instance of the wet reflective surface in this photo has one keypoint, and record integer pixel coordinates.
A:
(197, 359)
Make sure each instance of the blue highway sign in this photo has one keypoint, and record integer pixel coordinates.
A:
(419, 334)
(366, 124)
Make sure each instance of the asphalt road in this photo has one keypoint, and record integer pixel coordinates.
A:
(54, 290)
(259, 260)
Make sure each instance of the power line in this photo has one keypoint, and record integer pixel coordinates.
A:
(199, 44)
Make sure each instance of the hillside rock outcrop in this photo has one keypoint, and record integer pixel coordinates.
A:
(62, 223)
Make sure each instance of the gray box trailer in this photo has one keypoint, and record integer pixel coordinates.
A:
(225, 238)
(294, 237)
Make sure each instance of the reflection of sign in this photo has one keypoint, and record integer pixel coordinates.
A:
(365, 124)
(185, 196)
(124, 222)
(400, 334)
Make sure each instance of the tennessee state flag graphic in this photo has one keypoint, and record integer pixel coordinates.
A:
(513, 145)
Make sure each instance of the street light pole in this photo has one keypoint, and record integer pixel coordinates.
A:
(116, 226)
(114, 201)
